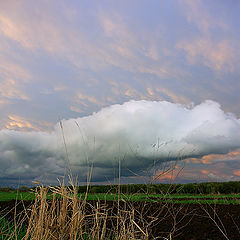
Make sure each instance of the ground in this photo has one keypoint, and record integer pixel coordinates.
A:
(185, 221)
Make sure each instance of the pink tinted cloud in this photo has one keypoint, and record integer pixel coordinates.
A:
(236, 172)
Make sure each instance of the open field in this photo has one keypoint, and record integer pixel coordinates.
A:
(176, 198)
(104, 213)
(184, 221)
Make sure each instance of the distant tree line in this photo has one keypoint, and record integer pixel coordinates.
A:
(20, 189)
(189, 188)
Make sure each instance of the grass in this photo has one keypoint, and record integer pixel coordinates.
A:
(73, 216)
(8, 230)
(188, 199)
(177, 198)
(7, 196)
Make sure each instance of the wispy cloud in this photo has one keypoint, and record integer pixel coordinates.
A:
(211, 158)
(220, 56)
(22, 124)
(236, 172)
(9, 89)
(198, 13)
(12, 77)
(219, 51)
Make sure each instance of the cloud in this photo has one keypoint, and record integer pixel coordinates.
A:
(16, 122)
(198, 13)
(13, 77)
(76, 109)
(136, 133)
(215, 45)
(211, 158)
(198, 172)
(236, 172)
(19, 123)
(9, 90)
(221, 55)
(3, 102)
(81, 98)
(18, 24)
(116, 45)
(173, 96)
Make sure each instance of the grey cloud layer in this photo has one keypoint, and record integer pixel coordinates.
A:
(136, 132)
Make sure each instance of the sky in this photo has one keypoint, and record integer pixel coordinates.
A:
(138, 83)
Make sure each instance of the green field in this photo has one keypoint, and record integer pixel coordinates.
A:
(176, 198)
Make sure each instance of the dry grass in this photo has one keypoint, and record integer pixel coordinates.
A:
(68, 217)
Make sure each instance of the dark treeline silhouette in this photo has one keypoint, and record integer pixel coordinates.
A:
(188, 188)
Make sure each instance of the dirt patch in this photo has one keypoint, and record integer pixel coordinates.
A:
(184, 221)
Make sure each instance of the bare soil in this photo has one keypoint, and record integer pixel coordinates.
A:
(184, 221)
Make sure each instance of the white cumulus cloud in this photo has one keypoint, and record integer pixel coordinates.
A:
(136, 133)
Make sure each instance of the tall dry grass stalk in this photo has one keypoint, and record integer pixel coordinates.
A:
(67, 216)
